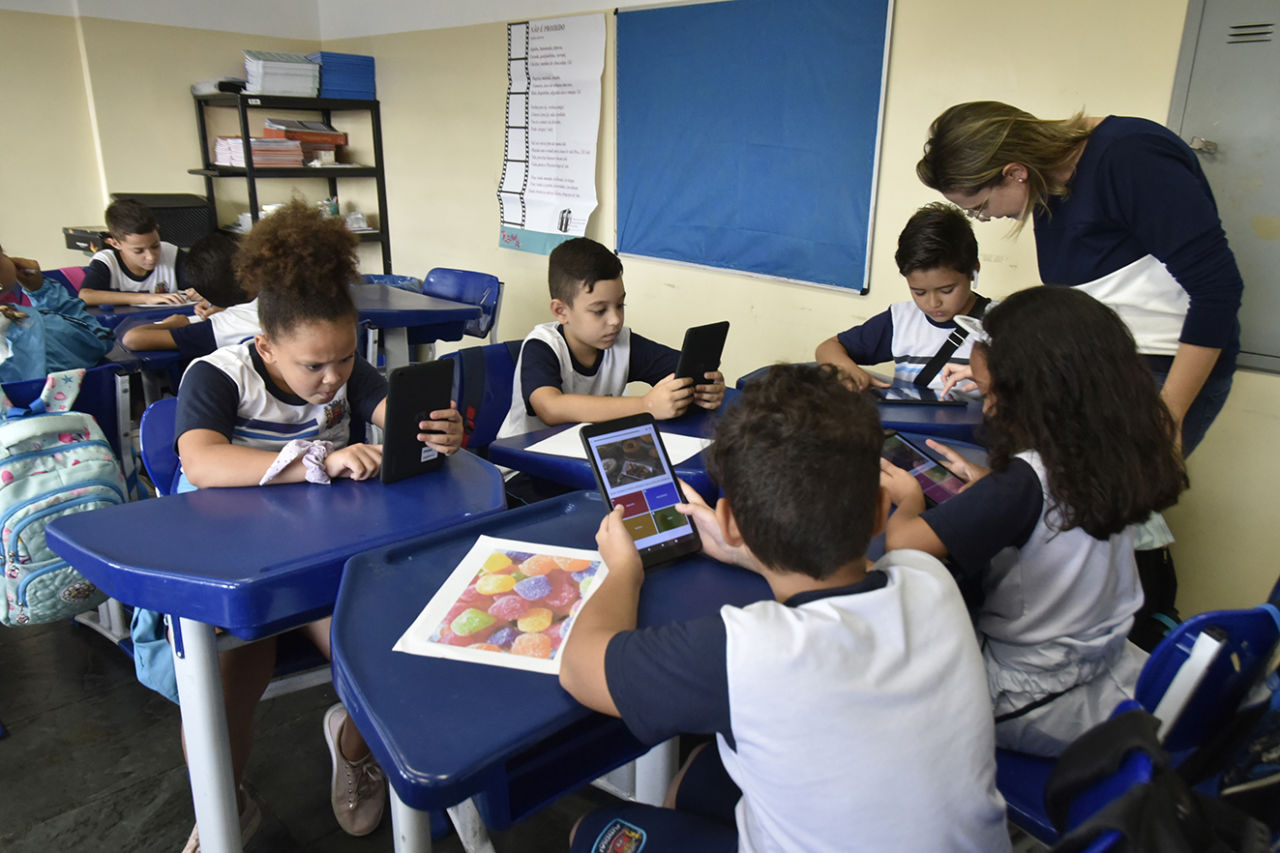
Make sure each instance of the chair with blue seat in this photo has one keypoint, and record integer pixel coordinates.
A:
(473, 288)
(483, 378)
(155, 434)
(1194, 681)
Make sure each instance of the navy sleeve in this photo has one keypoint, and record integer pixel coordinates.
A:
(671, 679)
(870, 343)
(194, 339)
(207, 399)
(651, 361)
(1156, 188)
(999, 511)
(365, 390)
(539, 368)
(96, 277)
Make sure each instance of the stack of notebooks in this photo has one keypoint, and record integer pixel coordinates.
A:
(345, 75)
(274, 73)
(267, 153)
(319, 140)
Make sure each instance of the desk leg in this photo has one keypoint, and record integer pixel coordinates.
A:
(472, 832)
(412, 828)
(395, 345)
(204, 722)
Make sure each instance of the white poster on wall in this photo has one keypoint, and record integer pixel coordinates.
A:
(548, 190)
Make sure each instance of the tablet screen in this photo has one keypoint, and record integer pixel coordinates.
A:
(937, 482)
(635, 473)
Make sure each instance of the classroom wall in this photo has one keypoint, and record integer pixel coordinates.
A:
(443, 99)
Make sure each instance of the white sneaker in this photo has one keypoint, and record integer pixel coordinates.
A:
(250, 820)
(358, 790)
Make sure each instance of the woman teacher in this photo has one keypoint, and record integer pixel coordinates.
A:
(1122, 210)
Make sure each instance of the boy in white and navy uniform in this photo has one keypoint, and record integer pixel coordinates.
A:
(850, 710)
(576, 368)
(229, 391)
(938, 255)
(136, 268)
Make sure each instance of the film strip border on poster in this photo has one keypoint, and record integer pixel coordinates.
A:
(515, 147)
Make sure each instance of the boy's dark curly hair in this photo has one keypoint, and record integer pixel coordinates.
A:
(127, 216)
(937, 235)
(798, 457)
(579, 262)
(1068, 383)
(301, 265)
(209, 268)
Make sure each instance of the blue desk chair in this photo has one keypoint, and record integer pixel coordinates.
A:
(156, 437)
(1194, 685)
(473, 288)
(482, 383)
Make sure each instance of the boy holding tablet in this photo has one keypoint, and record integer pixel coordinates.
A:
(850, 712)
(938, 256)
(577, 367)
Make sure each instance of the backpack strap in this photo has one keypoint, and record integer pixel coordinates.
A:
(59, 395)
(949, 346)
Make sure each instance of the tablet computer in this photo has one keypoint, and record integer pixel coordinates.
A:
(413, 393)
(937, 482)
(904, 393)
(701, 351)
(632, 469)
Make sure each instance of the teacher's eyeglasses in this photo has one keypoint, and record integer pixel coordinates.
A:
(979, 212)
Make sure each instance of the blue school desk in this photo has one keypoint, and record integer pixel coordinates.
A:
(395, 311)
(254, 561)
(113, 315)
(947, 423)
(447, 730)
(513, 452)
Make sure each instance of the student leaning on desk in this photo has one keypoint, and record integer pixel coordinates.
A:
(849, 713)
(136, 268)
(288, 406)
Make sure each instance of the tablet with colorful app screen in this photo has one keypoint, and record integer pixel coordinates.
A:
(937, 482)
(632, 469)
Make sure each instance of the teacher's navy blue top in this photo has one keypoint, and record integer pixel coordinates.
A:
(1140, 231)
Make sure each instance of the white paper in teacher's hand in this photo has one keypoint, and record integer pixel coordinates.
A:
(569, 443)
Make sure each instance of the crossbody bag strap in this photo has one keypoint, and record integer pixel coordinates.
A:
(949, 346)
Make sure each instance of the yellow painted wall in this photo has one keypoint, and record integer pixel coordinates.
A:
(443, 103)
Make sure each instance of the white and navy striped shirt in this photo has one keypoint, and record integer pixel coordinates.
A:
(905, 335)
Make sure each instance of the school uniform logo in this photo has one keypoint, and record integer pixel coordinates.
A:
(335, 413)
(619, 837)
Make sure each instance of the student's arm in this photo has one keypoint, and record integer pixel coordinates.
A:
(651, 362)
(93, 296)
(155, 336)
(442, 431)
(870, 343)
(1190, 369)
(210, 460)
(906, 529)
(668, 399)
(611, 610)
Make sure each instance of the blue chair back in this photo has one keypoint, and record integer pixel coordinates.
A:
(156, 437)
(100, 396)
(473, 288)
(483, 378)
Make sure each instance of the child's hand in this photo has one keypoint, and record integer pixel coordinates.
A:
(355, 462)
(616, 545)
(163, 299)
(710, 396)
(713, 541)
(29, 275)
(954, 374)
(443, 432)
(669, 398)
(902, 487)
(206, 309)
(970, 472)
(861, 380)
(191, 295)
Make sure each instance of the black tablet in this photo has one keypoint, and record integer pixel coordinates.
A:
(904, 393)
(937, 482)
(632, 468)
(413, 393)
(701, 351)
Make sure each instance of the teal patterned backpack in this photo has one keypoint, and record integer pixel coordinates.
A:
(53, 462)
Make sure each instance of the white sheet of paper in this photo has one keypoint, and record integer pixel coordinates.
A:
(502, 636)
(569, 443)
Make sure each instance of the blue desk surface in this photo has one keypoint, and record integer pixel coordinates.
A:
(444, 730)
(113, 315)
(513, 452)
(254, 560)
(956, 423)
(135, 360)
(384, 306)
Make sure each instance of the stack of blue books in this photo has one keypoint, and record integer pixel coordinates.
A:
(345, 75)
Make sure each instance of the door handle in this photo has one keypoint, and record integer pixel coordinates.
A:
(1205, 146)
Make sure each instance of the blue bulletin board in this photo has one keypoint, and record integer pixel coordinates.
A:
(748, 135)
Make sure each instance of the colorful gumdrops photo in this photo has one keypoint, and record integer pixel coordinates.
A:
(508, 603)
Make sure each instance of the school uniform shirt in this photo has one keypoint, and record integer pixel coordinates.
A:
(230, 392)
(107, 271)
(203, 335)
(907, 336)
(851, 719)
(545, 359)
(1057, 610)
(1140, 232)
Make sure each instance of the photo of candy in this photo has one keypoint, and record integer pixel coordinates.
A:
(470, 621)
(485, 647)
(538, 564)
(538, 619)
(494, 584)
(508, 608)
(504, 637)
(496, 562)
(531, 589)
(532, 645)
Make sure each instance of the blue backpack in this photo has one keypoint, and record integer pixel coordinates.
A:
(53, 462)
